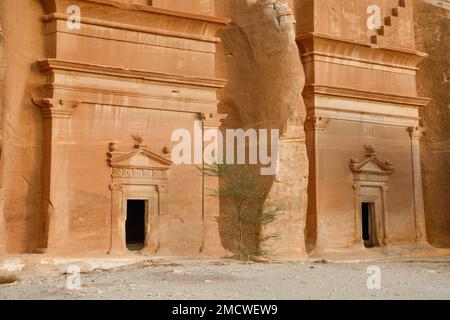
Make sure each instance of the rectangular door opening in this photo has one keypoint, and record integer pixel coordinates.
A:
(135, 225)
(368, 225)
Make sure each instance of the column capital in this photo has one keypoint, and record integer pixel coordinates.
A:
(115, 186)
(211, 120)
(416, 132)
(316, 123)
(56, 108)
(161, 188)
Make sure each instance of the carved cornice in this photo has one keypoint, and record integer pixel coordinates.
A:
(51, 65)
(321, 44)
(151, 9)
(56, 108)
(364, 95)
(175, 24)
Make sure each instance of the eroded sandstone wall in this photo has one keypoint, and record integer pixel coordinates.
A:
(21, 122)
(261, 63)
(2, 70)
(432, 32)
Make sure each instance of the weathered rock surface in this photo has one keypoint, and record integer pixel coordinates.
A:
(432, 29)
(2, 70)
(265, 81)
(21, 123)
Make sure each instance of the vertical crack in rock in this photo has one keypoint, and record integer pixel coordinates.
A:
(264, 91)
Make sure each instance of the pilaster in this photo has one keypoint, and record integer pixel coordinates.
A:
(416, 134)
(57, 115)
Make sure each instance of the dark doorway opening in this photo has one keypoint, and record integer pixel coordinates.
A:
(135, 225)
(368, 225)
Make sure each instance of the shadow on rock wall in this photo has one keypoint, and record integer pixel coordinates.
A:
(261, 63)
(432, 30)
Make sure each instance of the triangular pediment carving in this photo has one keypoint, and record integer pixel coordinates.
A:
(371, 165)
(139, 158)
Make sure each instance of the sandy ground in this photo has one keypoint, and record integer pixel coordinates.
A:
(225, 279)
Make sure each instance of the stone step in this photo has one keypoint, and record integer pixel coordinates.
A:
(405, 3)
(391, 21)
(401, 12)
(396, 12)
(384, 31)
(379, 40)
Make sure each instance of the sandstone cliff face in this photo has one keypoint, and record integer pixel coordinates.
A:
(2, 70)
(21, 123)
(432, 30)
(261, 63)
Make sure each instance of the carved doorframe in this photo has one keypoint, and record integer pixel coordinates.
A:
(137, 175)
(370, 175)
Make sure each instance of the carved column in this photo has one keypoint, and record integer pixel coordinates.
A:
(357, 199)
(385, 224)
(211, 243)
(57, 115)
(117, 236)
(152, 238)
(416, 134)
(314, 127)
(162, 198)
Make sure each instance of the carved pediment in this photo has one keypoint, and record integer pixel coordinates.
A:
(371, 165)
(139, 158)
(371, 169)
(139, 163)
